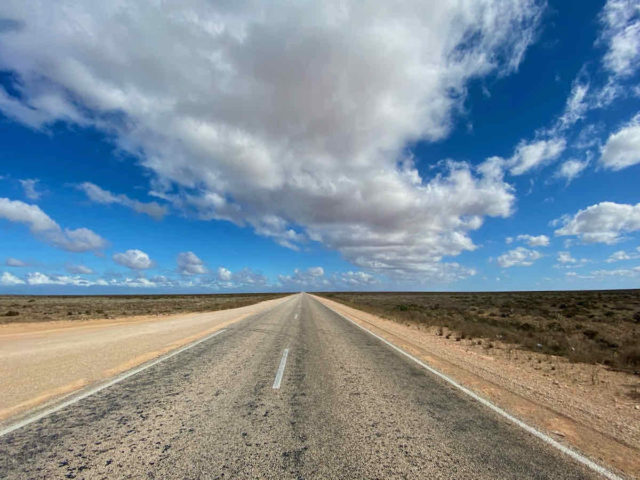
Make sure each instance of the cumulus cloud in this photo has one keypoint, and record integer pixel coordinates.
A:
(355, 279)
(603, 222)
(619, 272)
(9, 280)
(565, 257)
(571, 169)
(79, 269)
(44, 227)
(190, 264)
(224, 274)
(621, 255)
(133, 259)
(15, 262)
(29, 189)
(312, 277)
(518, 257)
(315, 278)
(245, 278)
(566, 260)
(534, 240)
(622, 148)
(99, 195)
(38, 278)
(291, 118)
(620, 21)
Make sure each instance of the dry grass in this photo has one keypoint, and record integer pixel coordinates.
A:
(584, 326)
(14, 308)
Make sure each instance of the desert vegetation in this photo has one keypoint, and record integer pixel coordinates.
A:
(14, 308)
(584, 326)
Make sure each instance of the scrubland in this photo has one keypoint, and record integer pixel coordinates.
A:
(14, 308)
(600, 327)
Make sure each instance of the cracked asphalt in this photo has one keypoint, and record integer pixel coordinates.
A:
(349, 407)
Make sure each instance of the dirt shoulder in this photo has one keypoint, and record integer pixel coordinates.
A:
(585, 406)
(42, 362)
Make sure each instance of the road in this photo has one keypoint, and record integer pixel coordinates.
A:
(348, 406)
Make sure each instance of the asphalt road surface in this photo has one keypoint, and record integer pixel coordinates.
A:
(347, 406)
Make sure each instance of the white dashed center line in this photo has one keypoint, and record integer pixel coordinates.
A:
(283, 363)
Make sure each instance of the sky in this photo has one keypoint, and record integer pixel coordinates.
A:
(207, 147)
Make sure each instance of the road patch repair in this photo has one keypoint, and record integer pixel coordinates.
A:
(572, 437)
(41, 364)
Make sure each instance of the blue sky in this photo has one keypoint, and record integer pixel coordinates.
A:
(242, 147)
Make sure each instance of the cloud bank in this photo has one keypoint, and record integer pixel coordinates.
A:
(291, 118)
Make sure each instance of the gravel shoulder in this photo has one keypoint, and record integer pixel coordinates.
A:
(585, 406)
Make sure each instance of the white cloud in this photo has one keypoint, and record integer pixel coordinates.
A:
(622, 148)
(288, 117)
(518, 257)
(619, 272)
(38, 278)
(248, 278)
(99, 195)
(576, 106)
(316, 271)
(571, 169)
(133, 259)
(79, 269)
(618, 256)
(9, 280)
(224, 274)
(531, 155)
(312, 277)
(621, 255)
(565, 257)
(245, 278)
(566, 260)
(190, 264)
(138, 282)
(41, 225)
(620, 20)
(355, 279)
(534, 240)
(15, 262)
(29, 188)
(604, 222)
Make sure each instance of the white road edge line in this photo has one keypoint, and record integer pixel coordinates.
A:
(542, 436)
(113, 381)
(280, 372)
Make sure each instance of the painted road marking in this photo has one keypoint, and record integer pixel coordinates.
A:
(545, 438)
(113, 381)
(280, 372)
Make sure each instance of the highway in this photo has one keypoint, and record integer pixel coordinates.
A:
(294, 392)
